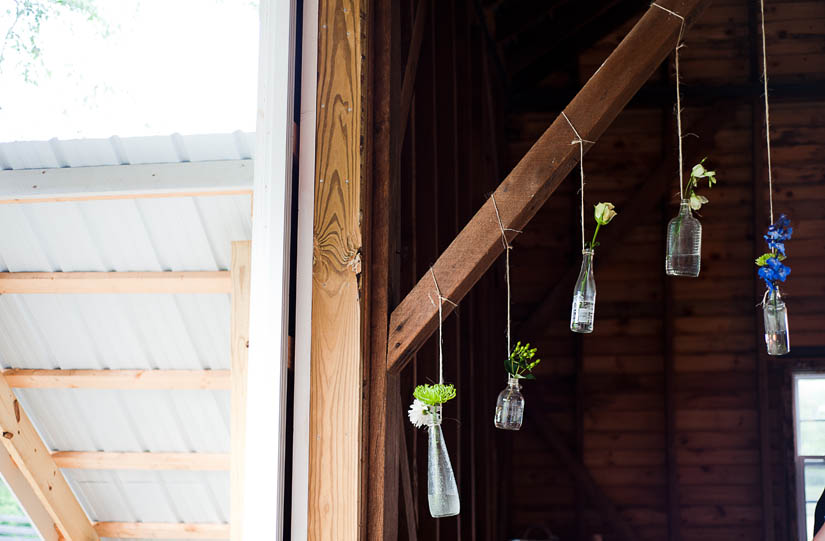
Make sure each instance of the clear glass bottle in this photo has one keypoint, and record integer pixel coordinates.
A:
(684, 243)
(584, 297)
(775, 314)
(442, 491)
(510, 406)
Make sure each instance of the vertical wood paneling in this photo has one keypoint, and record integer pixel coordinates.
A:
(335, 497)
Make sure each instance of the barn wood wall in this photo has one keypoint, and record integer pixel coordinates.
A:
(448, 163)
(608, 391)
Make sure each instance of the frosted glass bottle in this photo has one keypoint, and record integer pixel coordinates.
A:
(442, 491)
(775, 314)
(684, 243)
(584, 297)
(510, 406)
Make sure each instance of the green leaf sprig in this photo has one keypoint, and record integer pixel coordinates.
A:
(434, 395)
(697, 173)
(520, 363)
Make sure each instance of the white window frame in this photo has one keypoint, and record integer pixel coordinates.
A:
(800, 460)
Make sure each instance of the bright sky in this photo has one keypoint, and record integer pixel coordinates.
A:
(167, 66)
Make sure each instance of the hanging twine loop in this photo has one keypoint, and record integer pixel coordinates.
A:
(441, 300)
(679, 45)
(767, 109)
(507, 248)
(579, 141)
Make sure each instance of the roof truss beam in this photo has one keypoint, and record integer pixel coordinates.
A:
(162, 530)
(115, 282)
(207, 380)
(225, 177)
(100, 460)
(537, 175)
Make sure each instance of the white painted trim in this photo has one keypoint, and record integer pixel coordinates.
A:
(303, 295)
(121, 181)
(29, 502)
(269, 285)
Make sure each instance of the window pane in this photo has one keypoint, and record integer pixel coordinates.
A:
(13, 522)
(811, 397)
(812, 438)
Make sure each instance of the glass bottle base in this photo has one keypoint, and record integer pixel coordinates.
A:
(584, 328)
(777, 343)
(683, 265)
(444, 505)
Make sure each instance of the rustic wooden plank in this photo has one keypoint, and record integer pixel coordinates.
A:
(115, 282)
(239, 349)
(32, 457)
(335, 490)
(28, 499)
(538, 174)
(411, 67)
(161, 530)
(100, 460)
(554, 440)
(382, 441)
(117, 379)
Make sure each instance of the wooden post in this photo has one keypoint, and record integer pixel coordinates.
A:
(338, 310)
(239, 347)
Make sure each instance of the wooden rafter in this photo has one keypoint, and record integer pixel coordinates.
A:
(538, 174)
(161, 530)
(115, 282)
(104, 460)
(118, 379)
(226, 177)
(239, 347)
(32, 457)
(29, 501)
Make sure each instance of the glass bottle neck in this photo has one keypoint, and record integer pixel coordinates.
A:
(513, 383)
(684, 206)
(587, 257)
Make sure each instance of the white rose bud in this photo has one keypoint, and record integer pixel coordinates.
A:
(604, 213)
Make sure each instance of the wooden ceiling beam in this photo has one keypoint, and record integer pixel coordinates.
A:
(118, 379)
(224, 177)
(27, 450)
(115, 282)
(104, 460)
(537, 175)
(162, 530)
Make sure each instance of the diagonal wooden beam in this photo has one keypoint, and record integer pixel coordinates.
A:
(39, 517)
(640, 205)
(32, 457)
(538, 174)
(551, 436)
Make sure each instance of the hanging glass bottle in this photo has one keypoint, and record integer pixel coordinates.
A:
(684, 243)
(775, 315)
(584, 297)
(510, 406)
(442, 491)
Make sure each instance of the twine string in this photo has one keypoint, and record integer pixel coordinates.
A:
(507, 248)
(441, 300)
(679, 45)
(767, 109)
(579, 141)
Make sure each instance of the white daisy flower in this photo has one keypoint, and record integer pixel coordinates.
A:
(420, 414)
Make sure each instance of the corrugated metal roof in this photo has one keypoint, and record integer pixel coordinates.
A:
(126, 331)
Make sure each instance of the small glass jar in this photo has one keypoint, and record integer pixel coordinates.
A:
(442, 491)
(684, 243)
(583, 310)
(775, 315)
(510, 406)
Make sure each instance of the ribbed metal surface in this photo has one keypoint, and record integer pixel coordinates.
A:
(139, 331)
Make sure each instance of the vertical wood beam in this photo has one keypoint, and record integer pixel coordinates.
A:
(32, 457)
(239, 347)
(338, 314)
(383, 403)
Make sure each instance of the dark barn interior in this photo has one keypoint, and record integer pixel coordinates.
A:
(669, 421)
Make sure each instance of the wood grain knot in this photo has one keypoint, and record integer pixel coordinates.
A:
(8, 435)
